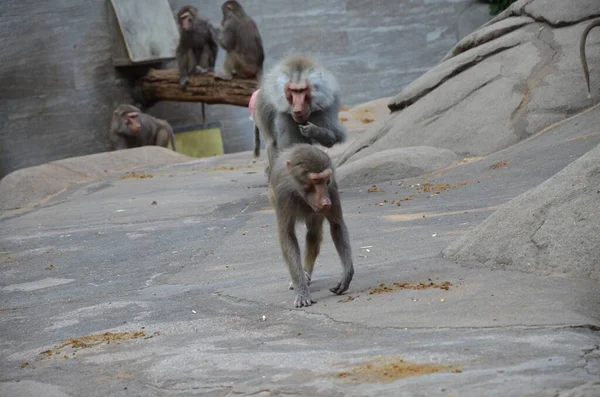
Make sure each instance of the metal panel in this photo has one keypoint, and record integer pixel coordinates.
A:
(148, 30)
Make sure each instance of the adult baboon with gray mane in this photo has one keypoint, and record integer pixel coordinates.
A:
(298, 102)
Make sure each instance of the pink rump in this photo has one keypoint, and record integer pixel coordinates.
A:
(252, 102)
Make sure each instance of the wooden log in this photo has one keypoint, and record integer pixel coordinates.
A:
(163, 85)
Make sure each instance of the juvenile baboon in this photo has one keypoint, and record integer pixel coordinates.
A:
(242, 41)
(584, 35)
(197, 48)
(302, 187)
(298, 102)
(131, 128)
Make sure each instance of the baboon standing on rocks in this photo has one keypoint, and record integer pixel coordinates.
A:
(302, 187)
(298, 102)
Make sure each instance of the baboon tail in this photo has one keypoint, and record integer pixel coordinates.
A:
(172, 137)
(582, 57)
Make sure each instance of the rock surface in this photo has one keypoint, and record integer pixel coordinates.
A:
(170, 281)
(32, 186)
(553, 228)
(188, 260)
(498, 86)
(362, 117)
(394, 164)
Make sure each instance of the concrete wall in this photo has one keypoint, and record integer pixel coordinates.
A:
(58, 86)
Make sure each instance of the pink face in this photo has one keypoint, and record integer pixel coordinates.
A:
(132, 122)
(298, 96)
(186, 21)
(317, 187)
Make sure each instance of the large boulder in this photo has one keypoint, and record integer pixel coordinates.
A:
(394, 164)
(551, 229)
(32, 186)
(498, 86)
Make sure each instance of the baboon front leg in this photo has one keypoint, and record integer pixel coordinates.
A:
(341, 240)
(314, 237)
(291, 254)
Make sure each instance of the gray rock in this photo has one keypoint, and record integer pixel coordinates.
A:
(589, 389)
(31, 388)
(551, 12)
(31, 186)
(488, 33)
(555, 13)
(394, 164)
(200, 271)
(500, 85)
(551, 229)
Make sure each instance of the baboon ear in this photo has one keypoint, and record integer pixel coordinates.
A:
(288, 163)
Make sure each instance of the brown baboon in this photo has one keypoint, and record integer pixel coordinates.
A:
(242, 41)
(197, 49)
(302, 99)
(302, 186)
(131, 128)
(584, 35)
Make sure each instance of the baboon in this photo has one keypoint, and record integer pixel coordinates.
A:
(131, 128)
(298, 102)
(584, 35)
(302, 186)
(197, 48)
(241, 39)
(119, 131)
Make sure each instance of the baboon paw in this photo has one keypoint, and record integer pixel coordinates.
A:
(183, 82)
(339, 289)
(201, 70)
(306, 129)
(303, 301)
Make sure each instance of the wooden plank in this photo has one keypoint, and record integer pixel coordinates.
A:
(148, 30)
(163, 85)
